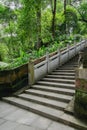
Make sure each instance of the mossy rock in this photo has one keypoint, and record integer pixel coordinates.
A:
(85, 64)
(85, 60)
(80, 104)
(80, 111)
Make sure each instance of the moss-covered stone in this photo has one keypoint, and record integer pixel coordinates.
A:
(85, 59)
(80, 104)
(13, 80)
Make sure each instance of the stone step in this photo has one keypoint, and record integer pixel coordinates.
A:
(44, 101)
(52, 79)
(50, 95)
(59, 85)
(34, 107)
(71, 65)
(54, 89)
(60, 76)
(69, 71)
(56, 115)
(67, 67)
(63, 73)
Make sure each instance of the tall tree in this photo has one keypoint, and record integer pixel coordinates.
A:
(65, 3)
(53, 7)
(38, 14)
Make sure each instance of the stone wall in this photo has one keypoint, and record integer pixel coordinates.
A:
(14, 79)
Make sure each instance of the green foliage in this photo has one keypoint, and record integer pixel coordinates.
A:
(4, 51)
(27, 22)
(83, 11)
(6, 13)
(71, 19)
(46, 26)
(24, 57)
(81, 104)
(25, 28)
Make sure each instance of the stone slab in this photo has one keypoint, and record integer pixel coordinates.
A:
(24, 127)
(7, 111)
(8, 125)
(15, 115)
(42, 123)
(28, 118)
(2, 121)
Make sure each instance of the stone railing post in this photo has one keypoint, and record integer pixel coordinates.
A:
(59, 57)
(80, 45)
(68, 48)
(48, 62)
(85, 43)
(75, 46)
(30, 73)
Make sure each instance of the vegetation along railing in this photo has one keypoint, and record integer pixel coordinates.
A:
(14, 79)
(53, 62)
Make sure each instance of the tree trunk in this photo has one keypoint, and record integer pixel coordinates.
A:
(65, 16)
(53, 6)
(39, 39)
(68, 2)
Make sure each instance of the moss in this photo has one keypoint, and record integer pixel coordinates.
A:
(80, 105)
(85, 60)
(80, 111)
(81, 98)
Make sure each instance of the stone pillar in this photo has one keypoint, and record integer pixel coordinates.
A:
(31, 73)
(48, 62)
(59, 57)
(68, 47)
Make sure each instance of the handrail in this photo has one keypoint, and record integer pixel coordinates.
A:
(58, 58)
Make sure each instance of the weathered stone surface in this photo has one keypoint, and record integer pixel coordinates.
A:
(42, 123)
(28, 118)
(15, 115)
(8, 125)
(24, 127)
(81, 73)
(2, 121)
(7, 111)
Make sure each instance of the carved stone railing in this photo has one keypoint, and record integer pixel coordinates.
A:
(60, 57)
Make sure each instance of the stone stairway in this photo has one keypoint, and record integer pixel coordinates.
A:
(50, 96)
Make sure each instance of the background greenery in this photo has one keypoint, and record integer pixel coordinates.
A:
(30, 28)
